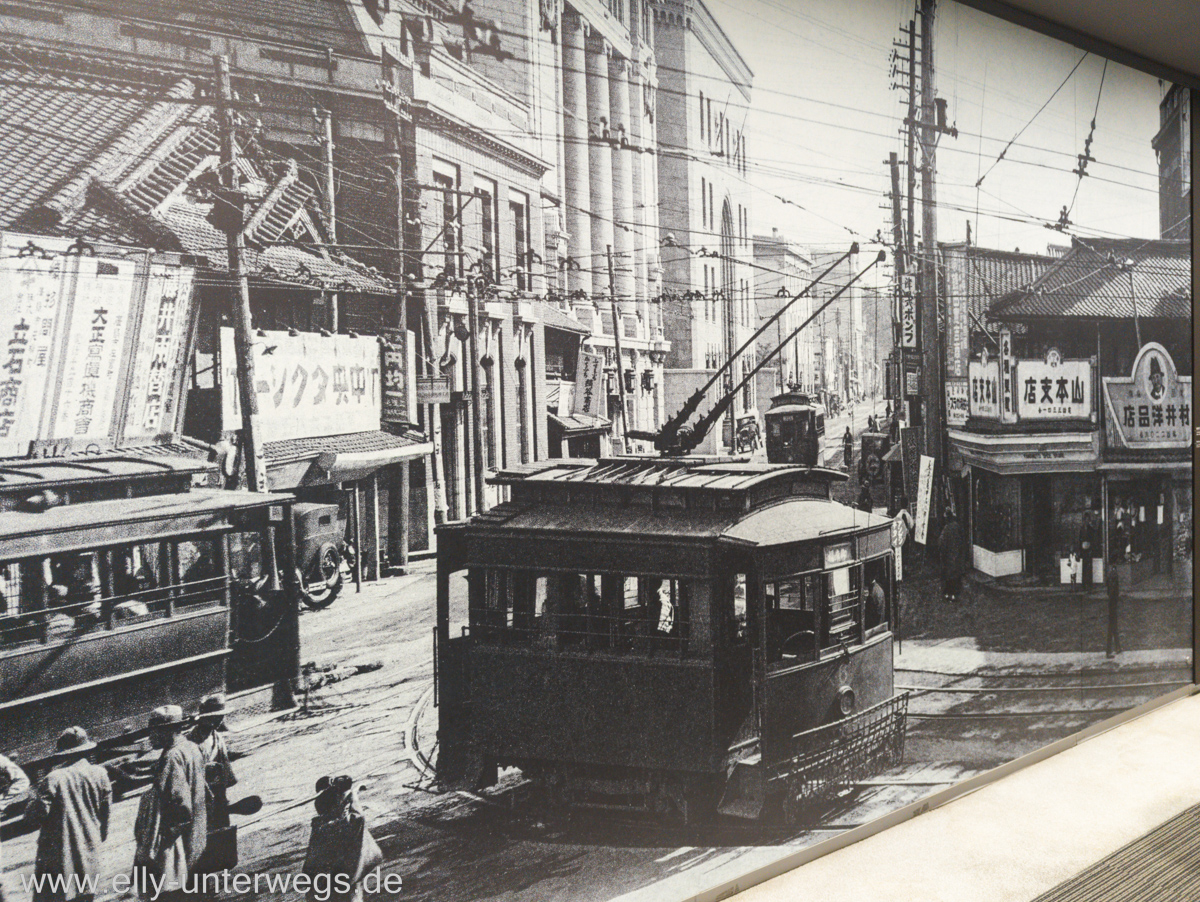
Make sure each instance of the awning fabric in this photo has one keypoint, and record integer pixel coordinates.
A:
(575, 425)
(334, 458)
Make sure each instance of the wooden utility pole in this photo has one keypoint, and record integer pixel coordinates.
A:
(232, 217)
(325, 122)
(616, 315)
(476, 408)
(931, 377)
(910, 237)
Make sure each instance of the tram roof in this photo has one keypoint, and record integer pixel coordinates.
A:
(93, 524)
(802, 519)
(719, 474)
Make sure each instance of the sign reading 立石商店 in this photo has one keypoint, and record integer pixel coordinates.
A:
(94, 346)
(307, 384)
(589, 387)
(1152, 408)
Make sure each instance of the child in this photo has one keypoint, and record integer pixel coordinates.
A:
(341, 850)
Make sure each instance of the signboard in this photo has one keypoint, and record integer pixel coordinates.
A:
(983, 378)
(307, 384)
(1054, 389)
(1152, 408)
(924, 500)
(958, 401)
(394, 361)
(908, 311)
(1008, 379)
(589, 386)
(160, 354)
(433, 389)
(910, 450)
(93, 351)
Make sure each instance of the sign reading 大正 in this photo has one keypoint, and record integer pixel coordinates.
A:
(1053, 389)
(1152, 408)
(307, 384)
(589, 388)
(983, 381)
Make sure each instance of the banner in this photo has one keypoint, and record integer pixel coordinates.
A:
(924, 500)
(307, 385)
(589, 386)
(984, 382)
(958, 401)
(1054, 389)
(1152, 408)
(94, 353)
(395, 377)
(1008, 379)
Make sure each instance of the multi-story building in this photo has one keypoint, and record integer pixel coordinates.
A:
(1172, 145)
(782, 272)
(838, 329)
(704, 211)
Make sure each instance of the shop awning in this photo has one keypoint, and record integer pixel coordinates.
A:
(895, 454)
(1015, 454)
(321, 460)
(578, 424)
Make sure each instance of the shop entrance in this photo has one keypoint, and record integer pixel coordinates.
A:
(1038, 503)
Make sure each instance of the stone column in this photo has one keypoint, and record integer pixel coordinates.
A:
(576, 162)
(624, 239)
(642, 236)
(600, 156)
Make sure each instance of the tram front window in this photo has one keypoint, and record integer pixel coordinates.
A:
(582, 612)
(793, 608)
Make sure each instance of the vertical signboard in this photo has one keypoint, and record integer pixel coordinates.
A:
(589, 388)
(1008, 377)
(984, 381)
(160, 353)
(395, 377)
(924, 500)
(958, 401)
(908, 311)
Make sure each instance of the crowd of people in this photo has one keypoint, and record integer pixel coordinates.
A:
(182, 831)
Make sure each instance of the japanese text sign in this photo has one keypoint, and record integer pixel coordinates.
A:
(983, 379)
(589, 389)
(1151, 409)
(308, 385)
(1053, 389)
(908, 311)
(958, 401)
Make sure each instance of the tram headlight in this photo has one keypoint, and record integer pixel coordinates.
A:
(846, 701)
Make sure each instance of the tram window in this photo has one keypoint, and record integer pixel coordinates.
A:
(739, 605)
(245, 556)
(842, 624)
(878, 611)
(792, 613)
(10, 590)
(201, 579)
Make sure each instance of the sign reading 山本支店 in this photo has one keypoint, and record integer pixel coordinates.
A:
(93, 345)
(1053, 388)
(1152, 408)
(308, 385)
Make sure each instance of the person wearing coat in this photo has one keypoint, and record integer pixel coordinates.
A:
(847, 447)
(13, 785)
(71, 807)
(171, 829)
(951, 556)
(341, 851)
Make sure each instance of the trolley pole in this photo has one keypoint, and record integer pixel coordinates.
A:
(325, 120)
(616, 314)
(256, 469)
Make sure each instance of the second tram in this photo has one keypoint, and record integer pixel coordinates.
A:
(795, 430)
(668, 635)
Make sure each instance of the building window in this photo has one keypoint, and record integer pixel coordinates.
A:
(448, 224)
(702, 132)
(712, 210)
(518, 209)
(708, 116)
(703, 202)
(489, 258)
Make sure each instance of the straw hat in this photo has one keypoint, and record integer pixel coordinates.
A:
(168, 716)
(73, 741)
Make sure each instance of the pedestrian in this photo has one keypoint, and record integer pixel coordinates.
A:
(847, 447)
(172, 820)
(341, 851)
(13, 786)
(1112, 581)
(220, 851)
(887, 411)
(951, 556)
(864, 502)
(876, 605)
(71, 807)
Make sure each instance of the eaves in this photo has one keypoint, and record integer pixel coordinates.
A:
(433, 119)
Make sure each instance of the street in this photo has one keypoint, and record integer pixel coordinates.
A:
(980, 695)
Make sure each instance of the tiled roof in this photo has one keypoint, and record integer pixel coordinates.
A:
(554, 318)
(981, 276)
(1109, 278)
(315, 24)
(110, 156)
(291, 450)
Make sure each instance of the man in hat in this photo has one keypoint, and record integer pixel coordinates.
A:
(13, 785)
(71, 807)
(172, 821)
(209, 736)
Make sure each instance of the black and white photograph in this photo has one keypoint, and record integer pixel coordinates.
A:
(553, 450)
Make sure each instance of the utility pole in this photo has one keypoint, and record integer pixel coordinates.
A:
(325, 121)
(473, 368)
(898, 240)
(616, 315)
(910, 238)
(231, 196)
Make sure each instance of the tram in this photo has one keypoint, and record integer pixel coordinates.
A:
(123, 588)
(680, 636)
(795, 430)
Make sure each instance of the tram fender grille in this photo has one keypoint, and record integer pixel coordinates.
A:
(746, 790)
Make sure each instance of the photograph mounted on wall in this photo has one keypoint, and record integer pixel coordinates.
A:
(568, 449)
